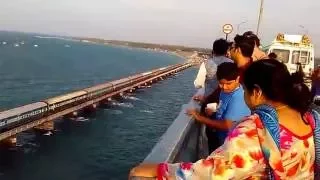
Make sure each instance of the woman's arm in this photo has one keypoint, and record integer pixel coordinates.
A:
(239, 158)
(144, 170)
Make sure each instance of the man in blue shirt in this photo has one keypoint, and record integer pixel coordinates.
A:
(231, 108)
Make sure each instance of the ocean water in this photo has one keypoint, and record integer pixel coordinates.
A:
(102, 145)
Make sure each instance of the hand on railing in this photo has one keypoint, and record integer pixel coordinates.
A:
(199, 98)
(142, 178)
(143, 172)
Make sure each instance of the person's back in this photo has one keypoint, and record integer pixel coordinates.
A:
(258, 54)
(279, 141)
(208, 69)
(211, 82)
(315, 87)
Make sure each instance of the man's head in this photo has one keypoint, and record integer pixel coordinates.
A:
(252, 36)
(242, 47)
(272, 55)
(228, 77)
(220, 47)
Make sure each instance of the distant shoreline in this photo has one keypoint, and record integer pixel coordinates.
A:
(189, 54)
(185, 53)
(152, 50)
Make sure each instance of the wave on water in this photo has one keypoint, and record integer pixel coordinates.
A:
(146, 111)
(130, 97)
(82, 119)
(126, 105)
(114, 111)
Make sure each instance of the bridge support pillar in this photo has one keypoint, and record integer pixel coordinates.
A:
(9, 142)
(47, 126)
(71, 115)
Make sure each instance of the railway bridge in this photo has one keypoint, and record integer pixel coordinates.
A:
(41, 115)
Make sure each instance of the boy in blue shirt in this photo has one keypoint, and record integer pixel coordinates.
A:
(231, 108)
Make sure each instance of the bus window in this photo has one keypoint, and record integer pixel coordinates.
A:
(282, 55)
(300, 58)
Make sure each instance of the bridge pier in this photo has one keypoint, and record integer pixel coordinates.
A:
(9, 142)
(47, 126)
(72, 115)
(92, 108)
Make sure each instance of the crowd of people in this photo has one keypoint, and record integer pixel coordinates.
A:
(259, 118)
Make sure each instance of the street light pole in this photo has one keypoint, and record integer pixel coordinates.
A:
(260, 16)
(305, 29)
(238, 26)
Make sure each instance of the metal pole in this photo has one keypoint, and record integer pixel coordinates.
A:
(305, 29)
(260, 16)
(226, 36)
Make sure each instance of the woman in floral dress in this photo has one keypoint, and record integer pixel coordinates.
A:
(280, 140)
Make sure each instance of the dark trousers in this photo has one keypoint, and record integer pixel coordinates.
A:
(213, 140)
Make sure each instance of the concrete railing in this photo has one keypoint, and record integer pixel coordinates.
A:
(184, 140)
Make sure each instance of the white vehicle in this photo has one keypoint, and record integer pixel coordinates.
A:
(293, 50)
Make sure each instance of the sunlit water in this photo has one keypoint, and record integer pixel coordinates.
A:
(102, 145)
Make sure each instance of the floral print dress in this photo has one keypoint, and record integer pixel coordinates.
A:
(253, 151)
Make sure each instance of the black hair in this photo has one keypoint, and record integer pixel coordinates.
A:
(245, 44)
(252, 36)
(272, 55)
(220, 47)
(228, 71)
(277, 84)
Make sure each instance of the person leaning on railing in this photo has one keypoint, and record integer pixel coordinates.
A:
(231, 108)
(240, 51)
(206, 77)
(315, 87)
(281, 140)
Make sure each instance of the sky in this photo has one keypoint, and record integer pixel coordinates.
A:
(182, 22)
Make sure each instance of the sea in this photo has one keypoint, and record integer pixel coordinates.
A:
(103, 145)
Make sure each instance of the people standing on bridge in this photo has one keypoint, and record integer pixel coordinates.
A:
(258, 54)
(240, 52)
(207, 72)
(265, 144)
(231, 107)
(315, 87)
(272, 55)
